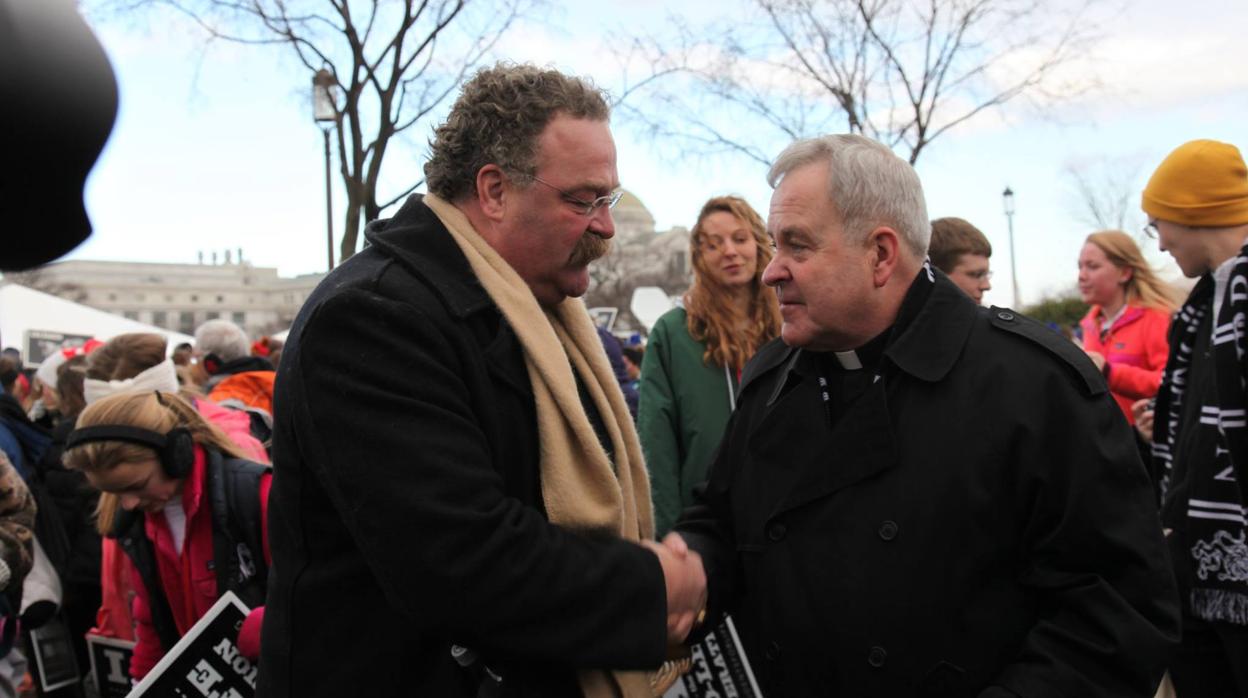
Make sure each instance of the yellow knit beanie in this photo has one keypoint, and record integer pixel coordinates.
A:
(1202, 184)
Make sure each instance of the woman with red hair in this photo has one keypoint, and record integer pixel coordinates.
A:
(695, 354)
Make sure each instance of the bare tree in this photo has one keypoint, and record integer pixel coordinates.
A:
(395, 62)
(904, 72)
(39, 281)
(1105, 192)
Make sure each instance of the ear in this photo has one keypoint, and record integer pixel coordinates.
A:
(1127, 274)
(492, 187)
(884, 252)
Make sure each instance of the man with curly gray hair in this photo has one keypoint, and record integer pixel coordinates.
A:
(458, 488)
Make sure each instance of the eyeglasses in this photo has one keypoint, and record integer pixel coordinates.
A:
(1150, 229)
(980, 275)
(587, 207)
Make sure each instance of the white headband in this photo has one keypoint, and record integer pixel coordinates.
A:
(163, 376)
(47, 370)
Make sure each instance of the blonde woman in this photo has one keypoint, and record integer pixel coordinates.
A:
(175, 489)
(1124, 333)
(695, 354)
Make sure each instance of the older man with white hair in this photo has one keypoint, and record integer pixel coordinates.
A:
(234, 376)
(917, 496)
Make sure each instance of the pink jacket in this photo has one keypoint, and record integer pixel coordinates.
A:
(114, 618)
(1135, 351)
(187, 579)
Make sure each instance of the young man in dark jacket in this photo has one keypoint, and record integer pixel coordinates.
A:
(917, 496)
(1197, 203)
(458, 496)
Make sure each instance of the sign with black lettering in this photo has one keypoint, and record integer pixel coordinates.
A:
(110, 665)
(720, 668)
(206, 662)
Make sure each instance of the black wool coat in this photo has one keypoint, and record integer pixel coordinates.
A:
(406, 511)
(977, 523)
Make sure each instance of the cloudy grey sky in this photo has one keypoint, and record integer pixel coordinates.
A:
(215, 147)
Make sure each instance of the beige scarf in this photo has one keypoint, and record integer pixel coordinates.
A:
(580, 488)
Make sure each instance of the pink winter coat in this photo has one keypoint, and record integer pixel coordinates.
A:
(1135, 351)
(114, 618)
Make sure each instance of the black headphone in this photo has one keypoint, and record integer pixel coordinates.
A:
(175, 450)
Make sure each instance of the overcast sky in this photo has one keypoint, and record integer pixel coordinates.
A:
(215, 147)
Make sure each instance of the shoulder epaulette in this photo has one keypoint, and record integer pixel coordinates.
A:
(1071, 355)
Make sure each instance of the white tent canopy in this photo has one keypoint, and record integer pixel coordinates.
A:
(38, 323)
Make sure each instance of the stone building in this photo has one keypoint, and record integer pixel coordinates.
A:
(180, 297)
(640, 256)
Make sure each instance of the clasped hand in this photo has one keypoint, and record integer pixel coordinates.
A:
(685, 579)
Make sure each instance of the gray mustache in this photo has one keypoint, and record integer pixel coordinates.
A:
(590, 247)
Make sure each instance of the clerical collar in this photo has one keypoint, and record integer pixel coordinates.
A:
(868, 355)
(848, 360)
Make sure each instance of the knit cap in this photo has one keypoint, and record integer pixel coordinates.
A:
(1202, 184)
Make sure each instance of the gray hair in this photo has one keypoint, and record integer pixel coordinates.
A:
(498, 118)
(869, 185)
(223, 338)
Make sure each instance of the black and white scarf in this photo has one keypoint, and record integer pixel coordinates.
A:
(1215, 507)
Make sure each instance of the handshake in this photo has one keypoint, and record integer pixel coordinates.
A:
(686, 586)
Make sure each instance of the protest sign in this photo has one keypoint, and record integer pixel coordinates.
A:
(55, 662)
(110, 665)
(720, 668)
(206, 662)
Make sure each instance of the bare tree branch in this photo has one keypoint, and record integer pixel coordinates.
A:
(904, 72)
(395, 64)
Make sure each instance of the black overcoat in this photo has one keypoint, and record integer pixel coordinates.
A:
(978, 521)
(406, 511)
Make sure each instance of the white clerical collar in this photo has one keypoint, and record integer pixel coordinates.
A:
(848, 360)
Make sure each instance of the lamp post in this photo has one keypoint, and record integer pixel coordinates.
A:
(325, 112)
(1007, 197)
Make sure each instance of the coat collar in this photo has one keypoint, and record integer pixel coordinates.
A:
(931, 343)
(416, 238)
(933, 325)
(1130, 313)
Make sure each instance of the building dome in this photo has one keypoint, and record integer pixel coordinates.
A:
(631, 217)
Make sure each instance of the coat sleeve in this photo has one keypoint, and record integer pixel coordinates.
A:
(658, 427)
(147, 646)
(17, 524)
(385, 421)
(1138, 382)
(1093, 553)
(707, 526)
(249, 634)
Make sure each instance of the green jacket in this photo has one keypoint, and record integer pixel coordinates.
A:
(684, 408)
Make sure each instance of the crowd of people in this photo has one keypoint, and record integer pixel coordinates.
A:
(893, 490)
(118, 442)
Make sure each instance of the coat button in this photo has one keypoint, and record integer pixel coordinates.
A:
(876, 657)
(888, 530)
(776, 531)
(1008, 317)
(772, 653)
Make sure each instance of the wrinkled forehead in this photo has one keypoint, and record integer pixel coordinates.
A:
(581, 149)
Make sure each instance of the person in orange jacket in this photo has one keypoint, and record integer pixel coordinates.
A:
(1124, 333)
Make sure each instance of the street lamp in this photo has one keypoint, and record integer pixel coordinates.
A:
(325, 112)
(1008, 197)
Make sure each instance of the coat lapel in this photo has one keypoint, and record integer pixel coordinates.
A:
(828, 460)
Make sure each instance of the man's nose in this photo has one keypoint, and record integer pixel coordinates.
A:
(601, 223)
(775, 273)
